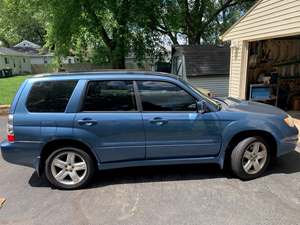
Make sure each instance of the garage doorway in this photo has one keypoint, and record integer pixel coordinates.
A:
(273, 72)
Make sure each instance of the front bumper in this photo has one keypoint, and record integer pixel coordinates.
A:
(287, 145)
(21, 153)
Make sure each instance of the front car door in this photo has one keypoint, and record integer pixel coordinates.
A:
(110, 121)
(173, 127)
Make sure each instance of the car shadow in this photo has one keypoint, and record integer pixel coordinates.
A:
(144, 175)
(287, 164)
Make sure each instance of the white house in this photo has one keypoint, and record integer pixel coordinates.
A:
(40, 56)
(27, 44)
(16, 61)
(265, 54)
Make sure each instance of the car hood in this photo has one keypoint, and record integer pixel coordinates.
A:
(232, 104)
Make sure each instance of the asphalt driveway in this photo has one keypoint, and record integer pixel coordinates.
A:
(159, 195)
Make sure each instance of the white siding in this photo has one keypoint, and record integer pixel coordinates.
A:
(16, 63)
(267, 19)
(217, 85)
(41, 59)
(238, 65)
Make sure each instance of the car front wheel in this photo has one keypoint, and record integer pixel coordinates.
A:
(250, 158)
(69, 168)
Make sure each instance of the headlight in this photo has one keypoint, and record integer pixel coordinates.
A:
(289, 121)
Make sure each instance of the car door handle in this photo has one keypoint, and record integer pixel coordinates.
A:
(87, 122)
(158, 121)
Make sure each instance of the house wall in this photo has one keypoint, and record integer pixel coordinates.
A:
(18, 64)
(69, 60)
(217, 85)
(38, 60)
(268, 19)
(238, 69)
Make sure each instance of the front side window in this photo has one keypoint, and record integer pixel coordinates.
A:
(112, 95)
(50, 96)
(164, 96)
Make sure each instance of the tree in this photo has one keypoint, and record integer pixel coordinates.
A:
(108, 30)
(19, 20)
(199, 20)
(112, 24)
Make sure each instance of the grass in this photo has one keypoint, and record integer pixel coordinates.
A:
(8, 88)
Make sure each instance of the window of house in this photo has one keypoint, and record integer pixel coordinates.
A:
(112, 95)
(6, 60)
(50, 96)
(24, 60)
(165, 96)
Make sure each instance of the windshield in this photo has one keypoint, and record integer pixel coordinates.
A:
(215, 103)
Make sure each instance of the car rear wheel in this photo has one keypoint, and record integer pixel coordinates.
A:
(69, 168)
(250, 158)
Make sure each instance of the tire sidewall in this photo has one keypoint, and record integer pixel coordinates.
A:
(87, 158)
(237, 157)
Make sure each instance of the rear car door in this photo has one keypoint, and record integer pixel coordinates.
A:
(41, 114)
(110, 121)
(173, 127)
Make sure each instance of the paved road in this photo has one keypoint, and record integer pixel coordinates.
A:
(161, 195)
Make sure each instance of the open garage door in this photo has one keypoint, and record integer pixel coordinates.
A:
(273, 72)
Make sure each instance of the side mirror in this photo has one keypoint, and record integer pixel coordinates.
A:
(202, 107)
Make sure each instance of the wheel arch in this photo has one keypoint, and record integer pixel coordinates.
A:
(54, 144)
(267, 136)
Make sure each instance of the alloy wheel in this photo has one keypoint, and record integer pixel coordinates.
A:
(68, 168)
(255, 157)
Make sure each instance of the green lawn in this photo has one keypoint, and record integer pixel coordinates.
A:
(9, 87)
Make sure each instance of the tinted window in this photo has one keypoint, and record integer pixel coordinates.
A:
(110, 96)
(164, 96)
(50, 96)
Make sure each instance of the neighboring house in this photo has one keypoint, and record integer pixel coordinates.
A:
(27, 44)
(206, 67)
(40, 56)
(69, 60)
(16, 61)
(265, 54)
(40, 59)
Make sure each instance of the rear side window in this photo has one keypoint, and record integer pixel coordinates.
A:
(50, 96)
(110, 96)
(159, 96)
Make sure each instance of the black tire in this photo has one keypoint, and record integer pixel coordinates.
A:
(238, 154)
(90, 168)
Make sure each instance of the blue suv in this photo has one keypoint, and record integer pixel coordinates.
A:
(66, 126)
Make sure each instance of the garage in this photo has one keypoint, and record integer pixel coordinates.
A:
(273, 72)
(265, 54)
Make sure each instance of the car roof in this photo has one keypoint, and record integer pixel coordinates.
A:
(119, 74)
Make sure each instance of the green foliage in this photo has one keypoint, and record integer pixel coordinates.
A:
(19, 20)
(202, 21)
(106, 31)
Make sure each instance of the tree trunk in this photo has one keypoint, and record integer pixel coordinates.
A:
(194, 39)
(118, 62)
